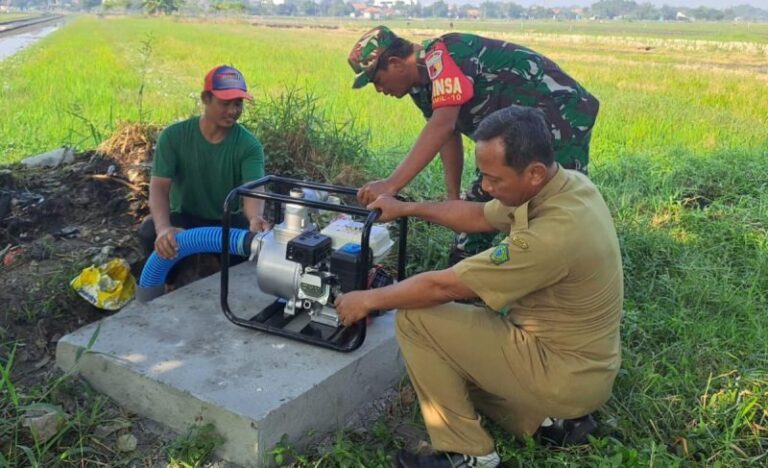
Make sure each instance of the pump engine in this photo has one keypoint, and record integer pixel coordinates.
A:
(309, 267)
(306, 266)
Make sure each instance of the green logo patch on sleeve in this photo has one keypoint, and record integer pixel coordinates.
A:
(500, 254)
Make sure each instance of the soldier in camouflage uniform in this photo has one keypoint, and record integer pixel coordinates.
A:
(456, 80)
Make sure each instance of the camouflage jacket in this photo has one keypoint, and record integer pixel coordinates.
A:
(483, 75)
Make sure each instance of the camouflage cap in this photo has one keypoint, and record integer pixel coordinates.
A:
(366, 52)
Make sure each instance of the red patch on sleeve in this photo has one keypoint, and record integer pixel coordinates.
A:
(450, 86)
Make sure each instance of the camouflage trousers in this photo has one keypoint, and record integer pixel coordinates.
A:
(572, 155)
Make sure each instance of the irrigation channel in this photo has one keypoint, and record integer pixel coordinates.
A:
(16, 35)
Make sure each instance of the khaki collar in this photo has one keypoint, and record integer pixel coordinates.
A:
(520, 215)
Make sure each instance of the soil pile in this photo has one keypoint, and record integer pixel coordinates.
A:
(56, 221)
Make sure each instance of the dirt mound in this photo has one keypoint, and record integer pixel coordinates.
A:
(53, 223)
(56, 221)
(131, 147)
(87, 195)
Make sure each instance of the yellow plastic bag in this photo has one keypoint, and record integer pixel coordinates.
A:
(109, 286)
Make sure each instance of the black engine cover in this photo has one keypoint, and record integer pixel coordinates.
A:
(308, 249)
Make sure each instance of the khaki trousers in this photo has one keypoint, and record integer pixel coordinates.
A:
(460, 360)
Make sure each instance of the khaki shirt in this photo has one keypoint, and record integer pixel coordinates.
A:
(558, 278)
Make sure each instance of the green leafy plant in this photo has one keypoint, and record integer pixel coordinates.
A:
(194, 447)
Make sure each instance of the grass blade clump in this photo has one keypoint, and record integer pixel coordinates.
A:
(301, 141)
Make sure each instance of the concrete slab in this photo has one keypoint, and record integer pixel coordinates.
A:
(178, 361)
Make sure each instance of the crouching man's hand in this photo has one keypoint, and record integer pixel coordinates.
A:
(352, 307)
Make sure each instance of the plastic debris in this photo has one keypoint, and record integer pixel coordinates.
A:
(12, 254)
(109, 286)
(52, 158)
(68, 232)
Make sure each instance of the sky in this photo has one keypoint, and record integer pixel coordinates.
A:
(719, 4)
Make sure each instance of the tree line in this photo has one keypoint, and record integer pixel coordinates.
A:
(602, 9)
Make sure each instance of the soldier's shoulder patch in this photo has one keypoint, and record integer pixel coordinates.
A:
(434, 63)
(500, 254)
(519, 242)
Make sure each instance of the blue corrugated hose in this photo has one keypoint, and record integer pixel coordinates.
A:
(190, 242)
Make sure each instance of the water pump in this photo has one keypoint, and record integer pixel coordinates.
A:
(306, 265)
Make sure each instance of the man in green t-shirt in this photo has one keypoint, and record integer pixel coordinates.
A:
(198, 161)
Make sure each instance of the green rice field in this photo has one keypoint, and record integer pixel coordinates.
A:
(680, 152)
(658, 96)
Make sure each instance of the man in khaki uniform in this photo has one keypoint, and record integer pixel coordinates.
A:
(547, 343)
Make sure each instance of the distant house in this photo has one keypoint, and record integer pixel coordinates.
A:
(357, 9)
(578, 13)
(680, 16)
(372, 12)
(377, 9)
(393, 4)
(473, 13)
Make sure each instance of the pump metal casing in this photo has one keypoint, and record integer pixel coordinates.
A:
(274, 273)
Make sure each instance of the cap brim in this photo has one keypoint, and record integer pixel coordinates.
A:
(229, 94)
(361, 80)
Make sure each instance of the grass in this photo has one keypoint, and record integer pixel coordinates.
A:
(85, 426)
(193, 448)
(694, 241)
(712, 31)
(685, 96)
(8, 17)
(679, 153)
(697, 31)
(71, 436)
